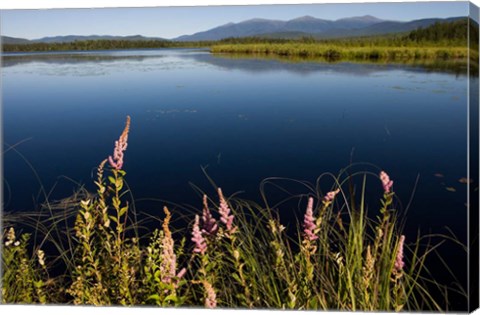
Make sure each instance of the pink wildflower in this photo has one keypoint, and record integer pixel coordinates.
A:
(309, 222)
(399, 263)
(120, 146)
(386, 182)
(181, 273)
(330, 195)
(211, 298)
(225, 216)
(200, 244)
(210, 226)
(169, 259)
(169, 264)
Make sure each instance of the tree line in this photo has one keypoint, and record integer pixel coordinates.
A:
(97, 45)
(456, 31)
(439, 34)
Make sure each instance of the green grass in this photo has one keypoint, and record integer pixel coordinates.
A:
(344, 52)
(233, 253)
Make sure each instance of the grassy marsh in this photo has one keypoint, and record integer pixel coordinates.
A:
(338, 52)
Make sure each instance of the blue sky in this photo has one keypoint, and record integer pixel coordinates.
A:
(169, 22)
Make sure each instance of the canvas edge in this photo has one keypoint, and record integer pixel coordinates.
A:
(473, 166)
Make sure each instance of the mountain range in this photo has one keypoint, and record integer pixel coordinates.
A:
(303, 26)
(310, 26)
(72, 38)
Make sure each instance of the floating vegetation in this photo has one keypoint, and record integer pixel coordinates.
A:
(465, 180)
(172, 111)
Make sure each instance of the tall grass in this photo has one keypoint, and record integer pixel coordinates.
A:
(331, 51)
(234, 253)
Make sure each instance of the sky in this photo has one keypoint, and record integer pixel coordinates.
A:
(170, 22)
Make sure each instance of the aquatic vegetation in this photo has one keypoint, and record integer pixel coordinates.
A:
(238, 253)
(338, 51)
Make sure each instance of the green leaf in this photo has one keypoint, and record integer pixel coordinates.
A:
(154, 297)
(310, 270)
(180, 301)
(313, 304)
(123, 210)
(113, 218)
(172, 297)
(116, 203)
(119, 184)
(111, 179)
(167, 286)
(237, 278)
(181, 283)
(241, 296)
(157, 276)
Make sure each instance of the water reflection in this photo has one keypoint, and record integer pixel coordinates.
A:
(242, 62)
(261, 63)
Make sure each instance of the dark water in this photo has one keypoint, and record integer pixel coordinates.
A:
(246, 119)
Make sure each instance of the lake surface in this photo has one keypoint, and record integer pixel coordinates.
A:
(245, 119)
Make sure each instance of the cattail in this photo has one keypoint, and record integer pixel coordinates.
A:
(200, 244)
(211, 297)
(399, 263)
(386, 182)
(309, 222)
(120, 146)
(210, 226)
(330, 195)
(225, 216)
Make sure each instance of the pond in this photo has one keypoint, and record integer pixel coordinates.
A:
(240, 119)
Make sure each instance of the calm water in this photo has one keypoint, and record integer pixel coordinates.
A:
(246, 119)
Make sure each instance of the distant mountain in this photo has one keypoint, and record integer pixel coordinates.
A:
(357, 22)
(310, 26)
(382, 28)
(305, 26)
(243, 29)
(14, 40)
(72, 38)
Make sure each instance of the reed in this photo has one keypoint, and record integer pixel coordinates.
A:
(337, 51)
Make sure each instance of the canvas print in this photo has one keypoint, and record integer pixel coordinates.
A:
(281, 157)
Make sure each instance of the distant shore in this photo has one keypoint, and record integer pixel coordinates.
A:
(338, 52)
(333, 50)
